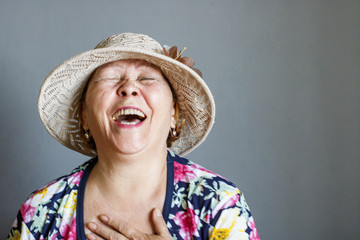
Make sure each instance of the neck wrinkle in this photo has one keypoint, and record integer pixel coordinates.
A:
(135, 172)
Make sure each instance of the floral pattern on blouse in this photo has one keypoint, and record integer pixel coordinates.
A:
(201, 205)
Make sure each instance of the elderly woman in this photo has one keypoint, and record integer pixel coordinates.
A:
(134, 107)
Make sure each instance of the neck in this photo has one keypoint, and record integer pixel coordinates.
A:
(129, 185)
(135, 173)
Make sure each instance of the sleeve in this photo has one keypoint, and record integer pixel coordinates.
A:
(19, 230)
(231, 219)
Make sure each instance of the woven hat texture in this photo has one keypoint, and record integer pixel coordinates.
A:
(60, 93)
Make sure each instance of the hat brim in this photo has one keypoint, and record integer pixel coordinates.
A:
(60, 93)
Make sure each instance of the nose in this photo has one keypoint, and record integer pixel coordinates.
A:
(128, 89)
(124, 93)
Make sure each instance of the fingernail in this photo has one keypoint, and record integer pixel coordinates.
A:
(104, 218)
(90, 236)
(157, 212)
(92, 226)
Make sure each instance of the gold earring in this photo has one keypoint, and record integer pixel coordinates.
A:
(87, 134)
(173, 132)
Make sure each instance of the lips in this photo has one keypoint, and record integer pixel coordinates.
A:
(129, 116)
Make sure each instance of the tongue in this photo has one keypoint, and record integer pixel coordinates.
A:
(129, 119)
(134, 121)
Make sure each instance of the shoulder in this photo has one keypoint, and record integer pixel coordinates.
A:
(49, 197)
(186, 171)
(203, 187)
(207, 200)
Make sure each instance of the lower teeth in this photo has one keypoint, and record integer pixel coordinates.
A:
(128, 123)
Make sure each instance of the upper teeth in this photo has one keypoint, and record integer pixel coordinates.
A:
(128, 111)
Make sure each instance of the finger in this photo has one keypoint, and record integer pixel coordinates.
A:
(122, 227)
(104, 232)
(160, 225)
(90, 235)
(93, 236)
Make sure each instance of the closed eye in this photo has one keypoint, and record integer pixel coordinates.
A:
(108, 79)
(146, 79)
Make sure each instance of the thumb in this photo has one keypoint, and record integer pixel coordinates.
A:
(160, 225)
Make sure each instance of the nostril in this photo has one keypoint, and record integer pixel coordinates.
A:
(123, 93)
(134, 93)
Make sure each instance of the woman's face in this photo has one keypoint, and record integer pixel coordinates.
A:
(128, 107)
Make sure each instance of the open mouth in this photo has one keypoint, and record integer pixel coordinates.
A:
(129, 116)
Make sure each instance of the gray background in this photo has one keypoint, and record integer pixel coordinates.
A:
(285, 76)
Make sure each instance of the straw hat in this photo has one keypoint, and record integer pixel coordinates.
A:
(60, 93)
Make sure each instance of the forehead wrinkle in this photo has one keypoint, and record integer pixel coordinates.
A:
(118, 67)
(138, 64)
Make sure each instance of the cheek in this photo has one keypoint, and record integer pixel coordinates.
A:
(95, 103)
(162, 99)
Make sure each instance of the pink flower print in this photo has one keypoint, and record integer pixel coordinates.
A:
(27, 211)
(64, 229)
(72, 233)
(254, 233)
(207, 217)
(15, 223)
(75, 178)
(54, 237)
(187, 222)
(69, 231)
(225, 203)
(232, 201)
(198, 167)
(183, 173)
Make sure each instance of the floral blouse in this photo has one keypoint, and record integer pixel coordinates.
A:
(199, 204)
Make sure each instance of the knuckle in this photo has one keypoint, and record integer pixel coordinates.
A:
(120, 227)
(112, 236)
(139, 237)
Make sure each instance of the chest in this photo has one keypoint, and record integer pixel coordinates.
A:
(127, 208)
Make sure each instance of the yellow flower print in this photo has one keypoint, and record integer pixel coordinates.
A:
(72, 203)
(220, 234)
(16, 235)
(42, 192)
(230, 226)
(232, 193)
